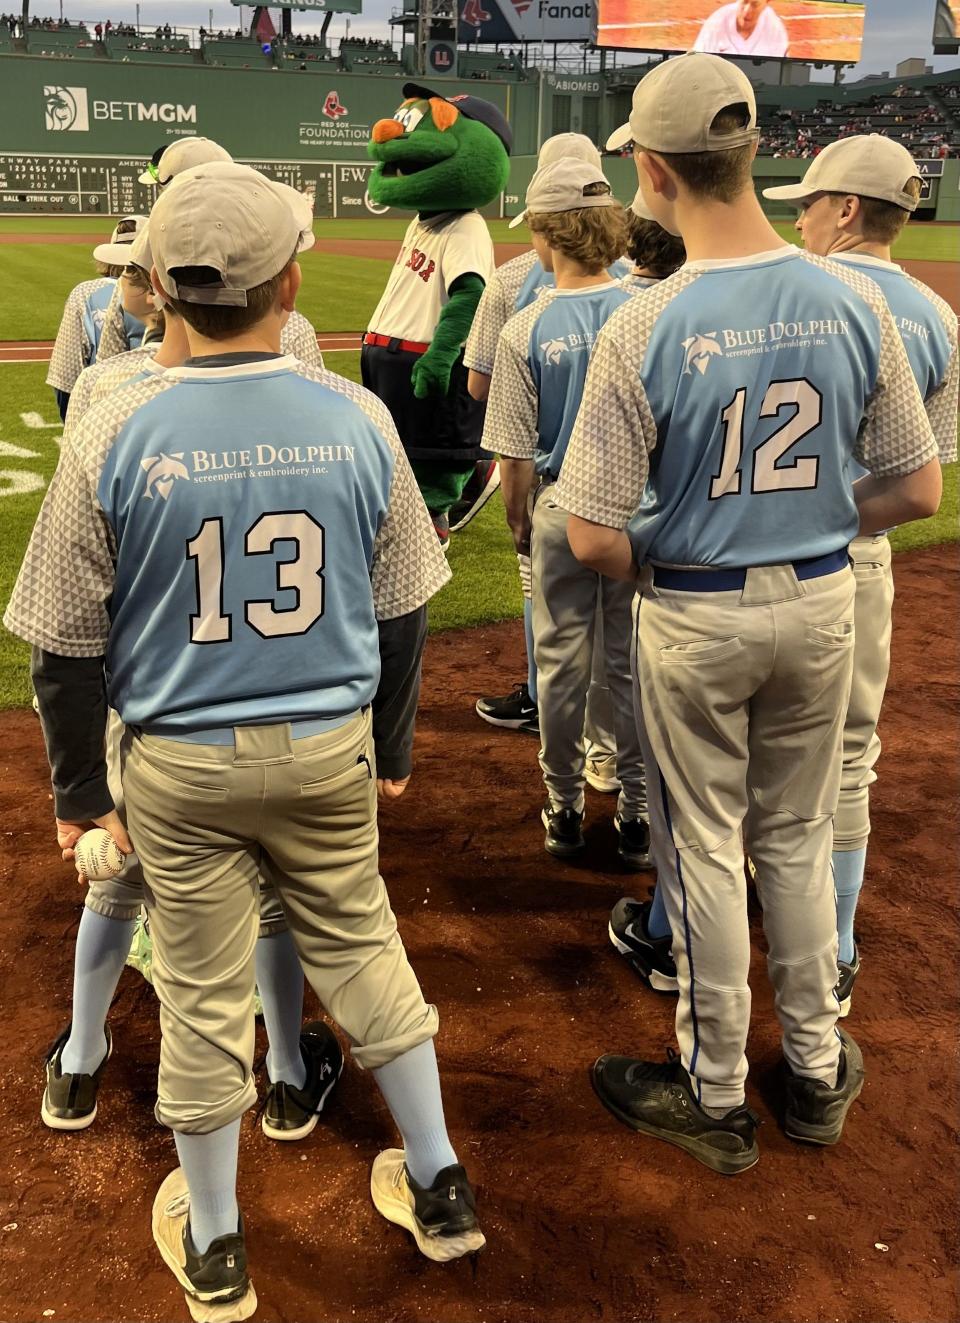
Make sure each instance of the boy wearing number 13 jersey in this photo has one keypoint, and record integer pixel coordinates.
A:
(240, 546)
(721, 415)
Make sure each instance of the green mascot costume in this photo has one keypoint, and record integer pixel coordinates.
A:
(442, 157)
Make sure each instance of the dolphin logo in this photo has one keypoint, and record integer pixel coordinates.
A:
(553, 350)
(162, 472)
(700, 349)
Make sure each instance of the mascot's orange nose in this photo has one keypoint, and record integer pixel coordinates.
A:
(385, 129)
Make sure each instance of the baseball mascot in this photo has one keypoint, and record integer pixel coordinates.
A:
(442, 157)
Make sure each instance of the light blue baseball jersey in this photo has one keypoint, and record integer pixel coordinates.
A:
(723, 411)
(236, 534)
(94, 315)
(928, 329)
(537, 279)
(540, 370)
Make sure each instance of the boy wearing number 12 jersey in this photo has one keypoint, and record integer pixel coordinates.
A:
(248, 561)
(721, 414)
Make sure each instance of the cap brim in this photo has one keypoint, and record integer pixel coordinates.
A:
(640, 209)
(114, 254)
(619, 138)
(518, 220)
(789, 192)
(306, 241)
(146, 178)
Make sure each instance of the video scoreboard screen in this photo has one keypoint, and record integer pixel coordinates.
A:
(828, 31)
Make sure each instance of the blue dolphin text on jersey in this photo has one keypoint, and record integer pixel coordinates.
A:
(236, 536)
(758, 388)
(558, 353)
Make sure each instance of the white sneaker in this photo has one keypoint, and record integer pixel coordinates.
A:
(442, 1220)
(601, 773)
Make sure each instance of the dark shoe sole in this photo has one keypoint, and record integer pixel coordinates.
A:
(652, 977)
(821, 1135)
(561, 849)
(491, 486)
(636, 863)
(726, 1164)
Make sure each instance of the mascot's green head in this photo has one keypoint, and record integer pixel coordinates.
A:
(439, 153)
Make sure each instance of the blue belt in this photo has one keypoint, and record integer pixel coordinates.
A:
(728, 581)
(299, 730)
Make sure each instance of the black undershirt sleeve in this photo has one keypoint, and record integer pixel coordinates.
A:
(395, 705)
(71, 693)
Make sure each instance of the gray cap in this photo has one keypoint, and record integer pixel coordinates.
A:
(675, 104)
(300, 204)
(234, 221)
(117, 251)
(640, 209)
(563, 187)
(568, 146)
(867, 166)
(182, 155)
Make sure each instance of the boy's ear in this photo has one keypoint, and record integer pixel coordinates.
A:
(290, 286)
(158, 288)
(657, 172)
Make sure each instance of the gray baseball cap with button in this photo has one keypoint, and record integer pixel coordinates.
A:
(117, 251)
(568, 146)
(866, 166)
(300, 203)
(183, 155)
(563, 187)
(676, 103)
(234, 221)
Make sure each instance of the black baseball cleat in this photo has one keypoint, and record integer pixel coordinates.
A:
(815, 1113)
(514, 711)
(656, 1099)
(650, 957)
(633, 842)
(441, 1219)
(290, 1113)
(218, 1276)
(848, 976)
(441, 526)
(70, 1101)
(564, 830)
(481, 485)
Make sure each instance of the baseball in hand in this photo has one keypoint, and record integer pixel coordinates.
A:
(97, 855)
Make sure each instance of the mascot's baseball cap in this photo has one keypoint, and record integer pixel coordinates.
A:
(117, 251)
(471, 107)
(564, 186)
(299, 203)
(867, 166)
(568, 146)
(676, 103)
(234, 221)
(175, 157)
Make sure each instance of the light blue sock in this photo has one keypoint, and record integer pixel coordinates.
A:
(528, 637)
(209, 1163)
(848, 870)
(658, 925)
(410, 1085)
(280, 981)
(102, 947)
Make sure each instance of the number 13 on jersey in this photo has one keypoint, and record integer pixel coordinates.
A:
(302, 573)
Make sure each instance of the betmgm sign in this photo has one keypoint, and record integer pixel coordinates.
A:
(71, 110)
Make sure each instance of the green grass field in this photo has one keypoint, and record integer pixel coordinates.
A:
(338, 294)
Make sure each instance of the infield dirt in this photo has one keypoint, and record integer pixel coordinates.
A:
(584, 1220)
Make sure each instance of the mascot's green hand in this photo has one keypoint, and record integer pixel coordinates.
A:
(431, 372)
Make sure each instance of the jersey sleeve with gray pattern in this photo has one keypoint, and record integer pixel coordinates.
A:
(99, 379)
(942, 404)
(513, 406)
(300, 339)
(113, 337)
(408, 565)
(496, 306)
(607, 461)
(60, 599)
(896, 438)
(71, 349)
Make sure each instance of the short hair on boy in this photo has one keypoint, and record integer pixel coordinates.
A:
(882, 221)
(593, 236)
(221, 321)
(721, 176)
(653, 248)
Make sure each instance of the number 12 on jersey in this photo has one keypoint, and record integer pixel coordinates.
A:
(769, 475)
(302, 574)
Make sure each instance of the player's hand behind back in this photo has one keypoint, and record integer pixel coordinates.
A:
(390, 791)
(68, 833)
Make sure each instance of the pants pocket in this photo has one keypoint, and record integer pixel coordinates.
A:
(699, 651)
(838, 635)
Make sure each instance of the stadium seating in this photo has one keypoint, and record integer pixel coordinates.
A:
(236, 53)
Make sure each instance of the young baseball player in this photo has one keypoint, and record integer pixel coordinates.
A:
(86, 314)
(303, 1062)
(854, 202)
(257, 533)
(512, 287)
(720, 416)
(578, 228)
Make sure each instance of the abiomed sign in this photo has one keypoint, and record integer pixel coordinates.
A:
(68, 110)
